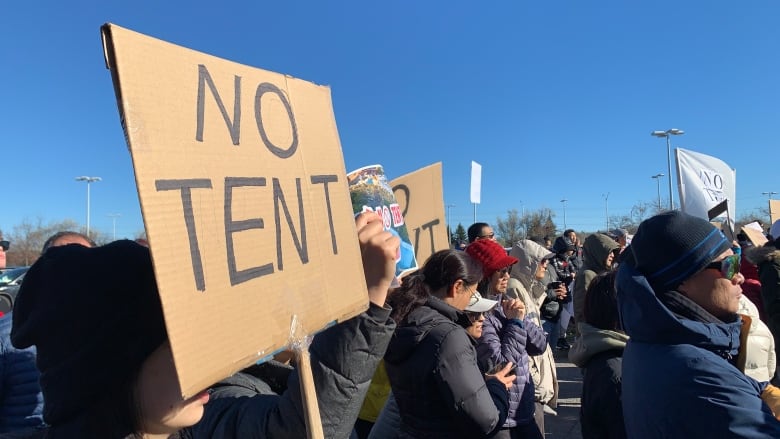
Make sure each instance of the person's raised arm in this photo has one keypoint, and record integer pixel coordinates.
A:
(343, 360)
(379, 248)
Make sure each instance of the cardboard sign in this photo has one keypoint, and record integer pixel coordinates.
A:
(757, 237)
(774, 210)
(421, 197)
(244, 197)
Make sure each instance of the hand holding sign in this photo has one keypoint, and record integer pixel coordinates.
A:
(378, 248)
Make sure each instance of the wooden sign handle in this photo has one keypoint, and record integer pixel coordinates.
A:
(309, 396)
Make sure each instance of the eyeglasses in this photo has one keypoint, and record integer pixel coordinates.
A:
(473, 316)
(728, 266)
(489, 236)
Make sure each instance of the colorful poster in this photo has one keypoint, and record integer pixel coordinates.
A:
(370, 190)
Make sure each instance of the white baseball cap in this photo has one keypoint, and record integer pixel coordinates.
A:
(480, 304)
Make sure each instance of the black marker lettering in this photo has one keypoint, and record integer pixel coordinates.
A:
(262, 89)
(186, 186)
(300, 245)
(325, 179)
(405, 189)
(429, 225)
(231, 227)
(204, 77)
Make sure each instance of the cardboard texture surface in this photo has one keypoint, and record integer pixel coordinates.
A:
(421, 197)
(244, 197)
(755, 236)
(774, 210)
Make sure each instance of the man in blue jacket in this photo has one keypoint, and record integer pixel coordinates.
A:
(21, 401)
(678, 294)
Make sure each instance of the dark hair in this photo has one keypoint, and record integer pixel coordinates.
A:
(441, 270)
(601, 303)
(567, 231)
(119, 415)
(116, 414)
(475, 230)
(53, 238)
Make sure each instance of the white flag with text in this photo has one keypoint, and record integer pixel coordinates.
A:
(704, 182)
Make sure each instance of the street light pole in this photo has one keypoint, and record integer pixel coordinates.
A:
(769, 203)
(522, 220)
(89, 181)
(113, 217)
(667, 134)
(449, 224)
(606, 209)
(657, 178)
(564, 213)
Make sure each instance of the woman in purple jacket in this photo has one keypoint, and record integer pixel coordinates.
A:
(508, 336)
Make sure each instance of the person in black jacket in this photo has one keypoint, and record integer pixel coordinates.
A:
(432, 361)
(95, 316)
(599, 349)
(565, 269)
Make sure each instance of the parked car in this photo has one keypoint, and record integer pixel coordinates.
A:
(11, 280)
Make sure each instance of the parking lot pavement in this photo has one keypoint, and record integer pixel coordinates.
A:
(567, 424)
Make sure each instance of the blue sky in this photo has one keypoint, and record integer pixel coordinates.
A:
(555, 99)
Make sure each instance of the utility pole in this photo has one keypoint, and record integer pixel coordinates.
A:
(564, 213)
(89, 181)
(449, 224)
(113, 217)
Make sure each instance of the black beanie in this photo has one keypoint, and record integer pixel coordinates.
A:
(94, 316)
(563, 244)
(673, 246)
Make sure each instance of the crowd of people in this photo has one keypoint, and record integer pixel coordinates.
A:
(668, 344)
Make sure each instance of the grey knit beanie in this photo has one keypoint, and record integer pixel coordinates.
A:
(673, 246)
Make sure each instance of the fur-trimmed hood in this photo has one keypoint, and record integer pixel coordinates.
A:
(767, 253)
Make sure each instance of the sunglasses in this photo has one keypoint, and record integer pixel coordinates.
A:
(473, 316)
(504, 271)
(490, 236)
(728, 266)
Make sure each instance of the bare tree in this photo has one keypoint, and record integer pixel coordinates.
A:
(539, 224)
(27, 239)
(509, 230)
(759, 215)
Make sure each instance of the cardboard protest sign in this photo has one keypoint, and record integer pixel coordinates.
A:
(774, 210)
(715, 212)
(370, 191)
(244, 197)
(421, 197)
(754, 234)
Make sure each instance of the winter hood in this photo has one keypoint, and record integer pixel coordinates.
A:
(595, 250)
(645, 319)
(767, 253)
(529, 255)
(592, 341)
